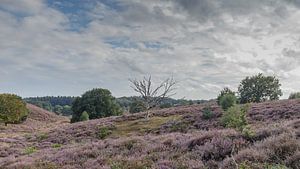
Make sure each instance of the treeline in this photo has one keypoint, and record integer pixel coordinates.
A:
(61, 105)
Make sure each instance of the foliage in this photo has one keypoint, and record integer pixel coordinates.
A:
(104, 132)
(60, 104)
(225, 91)
(56, 145)
(30, 150)
(98, 103)
(84, 116)
(259, 88)
(227, 101)
(42, 136)
(12, 109)
(247, 132)
(137, 106)
(207, 113)
(294, 95)
(235, 117)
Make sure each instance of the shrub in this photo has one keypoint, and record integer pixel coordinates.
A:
(235, 117)
(224, 92)
(294, 95)
(228, 100)
(104, 132)
(247, 132)
(98, 103)
(30, 150)
(12, 109)
(84, 116)
(42, 136)
(207, 113)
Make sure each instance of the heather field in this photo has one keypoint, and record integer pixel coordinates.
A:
(173, 138)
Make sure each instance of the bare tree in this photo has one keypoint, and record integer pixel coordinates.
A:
(151, 95)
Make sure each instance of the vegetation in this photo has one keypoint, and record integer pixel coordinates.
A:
(235, 117)
(60, 105)
(294, 95)
(30, 150)
(227, 101)
(104, 132)
(225, 91)
(137, 106)
(98, 103)
(207, 113)
(259, 88)
(12, 109)
(84, 116)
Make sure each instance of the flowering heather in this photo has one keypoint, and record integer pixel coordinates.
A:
(174, 138)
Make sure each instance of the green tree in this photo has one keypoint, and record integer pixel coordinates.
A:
(98, 103)
(225, 91)
(137, 106)
(294, 95)
(84, 116)
(227, 101)
(12, 109)
(58, 109)
(259, 88)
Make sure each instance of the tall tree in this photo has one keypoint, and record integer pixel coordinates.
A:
(98, 103)
(151, 95)
(259, 88)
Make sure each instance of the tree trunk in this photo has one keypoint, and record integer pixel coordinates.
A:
(5, 124)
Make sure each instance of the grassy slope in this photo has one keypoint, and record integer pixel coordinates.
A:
(172, 138)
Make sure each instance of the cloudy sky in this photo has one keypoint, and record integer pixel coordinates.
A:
(65, 47)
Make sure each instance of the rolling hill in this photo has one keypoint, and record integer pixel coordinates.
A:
(173, 138)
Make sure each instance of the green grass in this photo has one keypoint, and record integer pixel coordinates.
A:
(30, 150)
(56, 145)
(141, 126)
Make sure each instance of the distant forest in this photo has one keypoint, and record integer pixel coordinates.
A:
(62, 105)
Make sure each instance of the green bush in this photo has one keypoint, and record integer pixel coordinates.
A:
(294, 95)
(56, 145)
(227, 101)
(225, 91)
(235, 117)
(104, 132)
(84, 116)
(12, 109)
(207, 113)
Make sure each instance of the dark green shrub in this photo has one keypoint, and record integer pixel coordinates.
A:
(12, 109)
(235, 117)
(294, 95)
(207, 113)
(104, 132)
(228, 100)
(84, 116)
(225, 91)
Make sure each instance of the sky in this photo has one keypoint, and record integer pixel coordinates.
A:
(66, 47)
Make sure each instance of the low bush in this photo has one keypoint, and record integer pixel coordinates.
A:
(84, 116)
(235, 117)
(207, 113)
(56, 145)
(104, 132)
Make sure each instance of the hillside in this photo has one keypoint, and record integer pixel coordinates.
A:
(172, 138)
